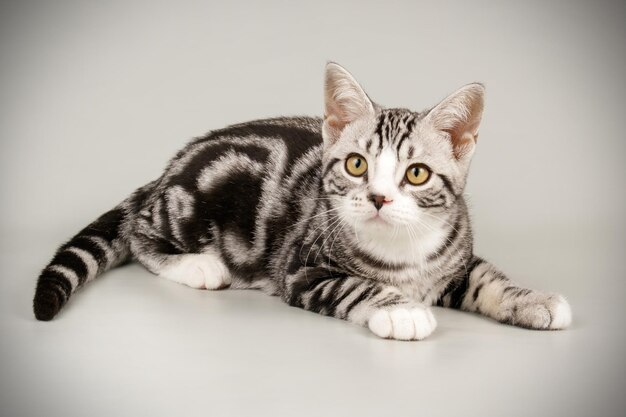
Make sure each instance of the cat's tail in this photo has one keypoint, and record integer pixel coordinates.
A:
(97, 248)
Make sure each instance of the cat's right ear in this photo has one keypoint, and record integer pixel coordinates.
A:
(344, 101)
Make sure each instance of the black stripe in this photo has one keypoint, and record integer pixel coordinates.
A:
(457, 293)
(331, 164)
(106, 226)
(337, 282)
(305, 280)
(447, 184)
(375, 263)
(497, 276)
(72, 261)
(477, 291)
(390, 299)
(297, 139)
(439, 202)
(362, 297)
(52, 277)
(402, 139)
(337, 188)
(379, 130)
(88, 245)
(449, 241)
(334, 303)
(165, 227)
(315, 302)
(509, 288)
(474, 263)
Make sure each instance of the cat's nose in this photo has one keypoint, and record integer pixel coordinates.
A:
(378, 200)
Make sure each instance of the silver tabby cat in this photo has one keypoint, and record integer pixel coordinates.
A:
(358, 216)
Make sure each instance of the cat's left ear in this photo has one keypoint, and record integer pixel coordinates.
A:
(344, 101)
(459, 116)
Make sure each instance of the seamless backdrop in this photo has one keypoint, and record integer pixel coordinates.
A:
(96, 96)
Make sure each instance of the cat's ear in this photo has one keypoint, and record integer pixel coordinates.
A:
(344, 101)
(459, 115)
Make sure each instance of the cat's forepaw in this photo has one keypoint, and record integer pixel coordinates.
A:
(561, 314)
(202, 270)
(550, 312)
(402, 323)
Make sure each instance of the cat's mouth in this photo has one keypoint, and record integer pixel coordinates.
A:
(377, 219)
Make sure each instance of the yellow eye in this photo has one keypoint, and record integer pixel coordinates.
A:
(356, 165)
(417, 174)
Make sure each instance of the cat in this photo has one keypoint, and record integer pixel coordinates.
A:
(357, 215)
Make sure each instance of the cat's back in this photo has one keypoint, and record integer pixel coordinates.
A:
(262, 144)
(233, 180)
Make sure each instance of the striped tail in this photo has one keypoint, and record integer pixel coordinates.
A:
(97, 248)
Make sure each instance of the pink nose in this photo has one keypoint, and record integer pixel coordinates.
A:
(378, 200)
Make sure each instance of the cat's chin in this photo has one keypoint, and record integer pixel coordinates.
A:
(378, 223)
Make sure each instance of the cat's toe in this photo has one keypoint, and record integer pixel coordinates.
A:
(216, 274)
(561, 314)
(402, 323)
(544, 312)
(203, 270)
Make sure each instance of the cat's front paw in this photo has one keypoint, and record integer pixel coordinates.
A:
(543, 311)
(402, 323)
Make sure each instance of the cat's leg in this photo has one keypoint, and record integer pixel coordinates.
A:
(487, 291)
(204, 270)
(383, 308)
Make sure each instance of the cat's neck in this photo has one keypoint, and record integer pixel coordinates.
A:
(409, 245)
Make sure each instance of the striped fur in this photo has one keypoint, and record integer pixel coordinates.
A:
(270, 205)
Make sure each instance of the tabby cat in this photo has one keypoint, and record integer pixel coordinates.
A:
(359, 215)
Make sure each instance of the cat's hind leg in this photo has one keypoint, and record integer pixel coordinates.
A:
(205, 270)
(487, 291)
(165, 239)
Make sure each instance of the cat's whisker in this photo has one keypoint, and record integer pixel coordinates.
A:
(395, 231)
(306, 261)
(312, 232)
(317, 198)
(322, 223)
(330, 251)
(448, 240)
(330, 235)
(419, 251)
(356, 234)
(410, 234)
(308, 219)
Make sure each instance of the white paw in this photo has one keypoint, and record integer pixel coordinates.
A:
(402, 323)
(203, 270)
(542, 311)
(561, 314)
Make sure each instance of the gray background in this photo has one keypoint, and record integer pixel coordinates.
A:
(95, 97)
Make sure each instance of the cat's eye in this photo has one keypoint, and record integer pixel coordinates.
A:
(417, 174)
(356, 165)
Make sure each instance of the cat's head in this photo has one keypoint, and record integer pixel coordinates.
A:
(386, 169)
